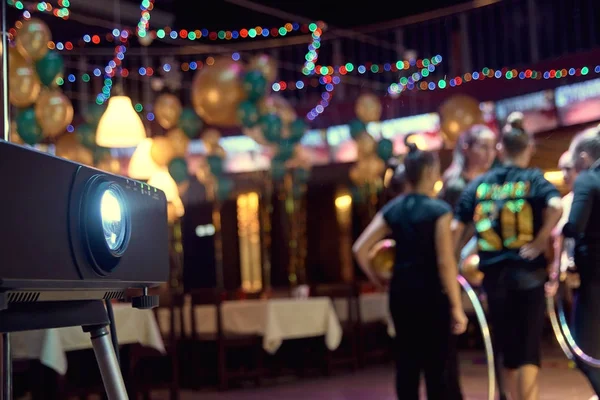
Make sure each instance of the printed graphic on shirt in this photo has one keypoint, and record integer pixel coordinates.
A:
(503, 217)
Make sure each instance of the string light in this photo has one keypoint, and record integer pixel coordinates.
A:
(309, 69)
(409, 82)
(62, 11)
(172, 33)
(312, 54)
(144, 23)
(504, 73)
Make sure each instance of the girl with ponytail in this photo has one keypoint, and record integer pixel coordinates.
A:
(424, 291)
(473, 155)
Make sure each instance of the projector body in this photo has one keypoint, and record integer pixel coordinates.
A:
(55, 243)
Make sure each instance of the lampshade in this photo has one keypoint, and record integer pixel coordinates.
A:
(161, 179)
(120, 126)
(141, 165)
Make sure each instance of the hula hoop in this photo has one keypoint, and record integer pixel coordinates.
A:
(564, 333)
(485, 333)
(470, 248)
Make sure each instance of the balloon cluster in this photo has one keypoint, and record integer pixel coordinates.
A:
(80, 146)
(457, 114)
(372, 155)
(169, 151)
(271, 121)
(214, 175)
(43, 110)
(181, 125)
(228, 93)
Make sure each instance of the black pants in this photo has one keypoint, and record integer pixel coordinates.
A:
(517, 321)
(586, 328)
(423, 344)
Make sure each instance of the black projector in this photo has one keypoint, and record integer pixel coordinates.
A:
(69, 232)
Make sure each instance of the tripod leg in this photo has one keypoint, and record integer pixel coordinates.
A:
(107, 362)
(6, 382)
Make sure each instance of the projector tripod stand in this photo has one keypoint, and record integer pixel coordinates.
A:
(90, 315)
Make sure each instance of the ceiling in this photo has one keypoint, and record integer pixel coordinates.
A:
(99, 17)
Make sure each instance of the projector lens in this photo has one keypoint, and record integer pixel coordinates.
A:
(112, 211)
(105, 223)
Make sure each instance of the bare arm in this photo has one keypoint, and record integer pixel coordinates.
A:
(376, 231)
(447, 268)
(458, 230)
(552, 215)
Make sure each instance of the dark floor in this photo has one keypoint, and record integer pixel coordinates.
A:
(558, 382)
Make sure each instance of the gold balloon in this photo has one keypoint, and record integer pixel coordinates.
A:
(356, 176)
(301, 159)
(371, 168)
(457, 114)
(84, 155)
(162, 151)
(382, 257)
(179, 141)
(276, 104)
(110, 165)
(470, 270)
(14, 135)
(366, 146)
(368, 108)
(167, 110)
(217, 91)
(32, 39)
(67, 146)
(53, 112)
(24, 85)
(211, 137)
(265, 64)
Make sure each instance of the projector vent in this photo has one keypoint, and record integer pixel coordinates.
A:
(113, 295)
(23, 297)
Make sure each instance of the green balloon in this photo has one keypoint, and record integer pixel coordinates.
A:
(93, 113)
(190, 123)
(277, 169)
(255, 85)
(50, 67)
(248, 114)
(271, 127)
(385, 149)
(297, 130)
(358, 195)
(357, 128)
(86, 135)
(215, 164)
(27, 126)
(178, 169)
(224, 188)
(301, 175)
(285, 151)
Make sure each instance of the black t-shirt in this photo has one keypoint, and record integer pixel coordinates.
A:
(584, 223)
(452, 190)
(507, 204)
(412, 219)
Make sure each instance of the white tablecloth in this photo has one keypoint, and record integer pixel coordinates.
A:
(373, 307)
(50, 345)
(275, 320)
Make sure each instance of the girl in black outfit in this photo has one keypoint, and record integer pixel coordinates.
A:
(473, 155)
(583, 225)
(425, 300)
(514, 209)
